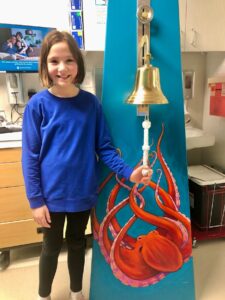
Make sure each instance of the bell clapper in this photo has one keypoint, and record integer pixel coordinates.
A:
(146, 124)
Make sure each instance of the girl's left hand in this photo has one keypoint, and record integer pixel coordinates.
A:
(138, 177)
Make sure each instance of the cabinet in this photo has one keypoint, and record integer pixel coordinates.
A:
(16, 224)
(94, 15)
(202, 25)
(207, 199)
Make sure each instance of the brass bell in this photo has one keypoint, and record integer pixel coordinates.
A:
(147, 88)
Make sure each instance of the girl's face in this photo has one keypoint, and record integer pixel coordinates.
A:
(62, 67)
(18, 37)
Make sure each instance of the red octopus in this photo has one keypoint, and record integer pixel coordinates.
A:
(146, 259)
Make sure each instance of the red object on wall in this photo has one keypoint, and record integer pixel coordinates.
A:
(217, 99)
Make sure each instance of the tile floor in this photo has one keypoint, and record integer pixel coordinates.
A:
(209, 273)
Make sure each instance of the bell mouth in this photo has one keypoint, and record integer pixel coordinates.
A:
(145, 98)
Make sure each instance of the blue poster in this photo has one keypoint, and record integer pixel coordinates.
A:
(76, 20)
(78, 36)
(142, 235)
(76, 4)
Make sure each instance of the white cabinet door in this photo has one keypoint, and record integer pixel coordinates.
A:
(202, 25)
(94, 17)
(50, 13)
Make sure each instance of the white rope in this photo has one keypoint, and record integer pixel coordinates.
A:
(146, 124)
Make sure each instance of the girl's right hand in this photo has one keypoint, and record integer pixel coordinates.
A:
(41, 216)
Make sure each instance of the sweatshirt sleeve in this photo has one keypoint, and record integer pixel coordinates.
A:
(31, 145)
(106, 151)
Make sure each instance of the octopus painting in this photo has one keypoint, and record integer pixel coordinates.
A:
(143, 260)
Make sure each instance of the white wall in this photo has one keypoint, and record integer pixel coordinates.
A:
(29, 81)
(47, 13)
(206, 65)
(196, 62)
(93, 64)
(215, 66)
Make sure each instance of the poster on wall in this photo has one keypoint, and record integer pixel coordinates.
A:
(20, 47)
(142, 234)
(76, 4)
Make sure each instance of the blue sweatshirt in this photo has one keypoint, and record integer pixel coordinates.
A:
(60, 140)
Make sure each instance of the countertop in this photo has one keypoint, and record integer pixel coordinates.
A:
(205, 175)
(195, 138)
(198, 138)
(11, 140)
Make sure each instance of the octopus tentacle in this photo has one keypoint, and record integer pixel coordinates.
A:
(175, 233)
(146, 259)
(114, 225)
(105, 242)
(94, 220)
(172, 187)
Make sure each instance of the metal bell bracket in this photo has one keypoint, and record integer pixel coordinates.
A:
(145, 43)
(144, 17)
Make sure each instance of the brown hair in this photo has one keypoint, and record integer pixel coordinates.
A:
(51, 39)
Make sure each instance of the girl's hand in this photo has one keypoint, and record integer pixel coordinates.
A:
(41, 216)
(138, 177)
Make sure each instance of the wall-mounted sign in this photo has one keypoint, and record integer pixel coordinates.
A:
(76, 20)
(76, 4)
(78, 36)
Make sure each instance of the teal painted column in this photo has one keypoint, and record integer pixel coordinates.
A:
(152, 259)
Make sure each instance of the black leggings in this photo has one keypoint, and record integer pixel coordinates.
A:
(52, 243)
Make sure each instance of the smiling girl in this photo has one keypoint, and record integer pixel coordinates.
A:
(63, 130)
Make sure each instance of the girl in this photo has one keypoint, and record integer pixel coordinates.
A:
(21, 44)
(63, 130)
